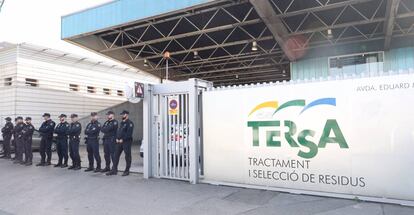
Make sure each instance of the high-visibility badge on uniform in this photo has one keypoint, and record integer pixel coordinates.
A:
(173, 105)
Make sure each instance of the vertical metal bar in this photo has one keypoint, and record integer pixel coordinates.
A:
(181, 129)
(187, 143)
(166, 136)
(193, 134)
(173, 132)
(200, 127)
(147, 132)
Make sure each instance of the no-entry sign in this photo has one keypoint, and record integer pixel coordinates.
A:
(173, 105)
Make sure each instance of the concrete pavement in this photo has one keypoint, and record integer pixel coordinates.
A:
(47, 190)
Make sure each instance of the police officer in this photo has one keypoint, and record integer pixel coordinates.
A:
(7, 132)
(92, 143)
(123, 143)
(109, 129)
(19, 150)
(14, 139)
(46, 132)
(74, 132)
(28, 130)
(62, 141)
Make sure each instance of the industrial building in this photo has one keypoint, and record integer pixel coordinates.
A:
(245, 67)
(35, 80)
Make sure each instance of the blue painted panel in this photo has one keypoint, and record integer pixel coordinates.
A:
(395, 60)
(119, 12)
(310, 68)
(399, 59)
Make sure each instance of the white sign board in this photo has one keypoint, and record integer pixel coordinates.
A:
(353, 137)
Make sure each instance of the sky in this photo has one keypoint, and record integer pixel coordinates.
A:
(38, 22)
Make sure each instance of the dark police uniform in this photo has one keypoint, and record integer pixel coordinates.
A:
(74, 132)
(46, 132)
(124, 133)
(13, 142)
(109, 130)
(62, 143)
(92, 145)
(28, 130)
(19, 150)
(7, 132)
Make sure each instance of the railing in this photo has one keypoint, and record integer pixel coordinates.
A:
(313, 80)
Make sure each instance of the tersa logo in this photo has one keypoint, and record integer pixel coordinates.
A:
(331, 132)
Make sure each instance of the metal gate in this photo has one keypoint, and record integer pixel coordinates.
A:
(172, 130)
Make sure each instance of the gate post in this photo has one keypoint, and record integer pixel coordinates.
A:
(194, 130)
(147, 128)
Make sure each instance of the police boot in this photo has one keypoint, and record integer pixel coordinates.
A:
(58, 165)
(111, 173)
(65, 164)
(72, 167)
(107, 169)
(48, 163)
(98, 168)
(29, 164)
(77, 167)
(41, 164)
(89, 169)
(126, 173)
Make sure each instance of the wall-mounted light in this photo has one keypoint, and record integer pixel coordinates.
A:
(254, 46)
(145, 62)
(329, 32)
(195, 54)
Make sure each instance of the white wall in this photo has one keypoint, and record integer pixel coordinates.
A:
(54, 72)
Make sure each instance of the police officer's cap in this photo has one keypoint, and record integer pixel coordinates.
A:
(19, 118)
(46, 114)
(94, 114)
(62, 115)
(8, 119)
(125, 112)
(110, 112)
(28, 118)
(74, 115)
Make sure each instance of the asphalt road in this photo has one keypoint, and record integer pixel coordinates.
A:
(47, 190)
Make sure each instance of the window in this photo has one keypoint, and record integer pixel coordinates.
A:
(74, 87)
(91, 89)
(120, 93)
(106, 91)
(367, 63)
(30, 82)
(8, 81)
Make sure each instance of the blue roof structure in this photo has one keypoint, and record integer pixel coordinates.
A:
(119, 12)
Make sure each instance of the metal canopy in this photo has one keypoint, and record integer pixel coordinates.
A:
(216, 41)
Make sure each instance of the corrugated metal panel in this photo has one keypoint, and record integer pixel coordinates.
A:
(309, 68)
(7, 56)
(399, 59)
(395, 60)
(119, 12)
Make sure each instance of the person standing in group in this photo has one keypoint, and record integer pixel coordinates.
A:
(19, 150)
(123, 143)
(13, 142)
(7, 132)
(74, 132)
(92, 143)
(28, 130)
(109, 130)
(62, 141)
(46, 132)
